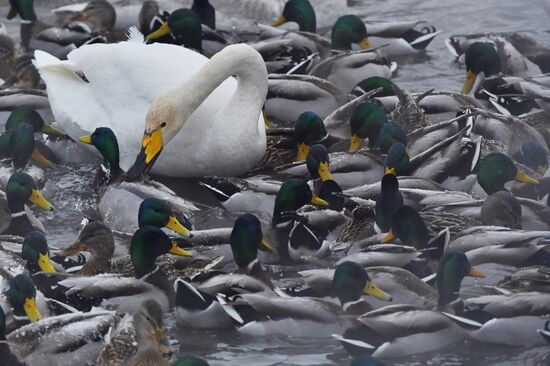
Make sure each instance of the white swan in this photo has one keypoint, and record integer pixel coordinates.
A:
(113, 85)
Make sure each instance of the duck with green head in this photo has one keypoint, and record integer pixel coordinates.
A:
(300, 12)
(206, 12)
(185, 27)
(293, 194)
(5, 353)
(22, 297)
(398, 331)
(32, 117)
(156, 212)
(105, 141)
(389, 202)
(308, 130)
(372, 83)
(318, 162)
(482, 61)
(20, 191)
(366, 121)
(349, 30)
(35, 251)
(390, 133)
(397, 160)
(496, 169)
(200, 309)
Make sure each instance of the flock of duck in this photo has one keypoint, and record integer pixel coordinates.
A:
(390, 199)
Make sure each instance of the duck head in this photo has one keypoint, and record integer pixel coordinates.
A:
(347, 30)
(293, 194)
(351, 280)
(318, 162)
(149, 325)
(23, 8)
(32, 117)
(535, 157)
(389, 134)
(191, 361)
(453, 267)
(481, 61)
(22, 297)
(105, 141)
(376, 82)
(36, 252)
(366, 121)
(22, 189)
(206, 12)
(147, 244)
(155, 212)
(97, 239)
(496, 169)
(331, 192)
(22, 145)
(246, 238)
(409, 227)
(389, 202)
(397, 160)
(300, 12)
(308, 129)
(185, 27)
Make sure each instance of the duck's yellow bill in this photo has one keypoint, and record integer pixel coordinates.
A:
(324, 172)
(389, 237)
(474, 272)
(179, 251)
(303, 150)
(315, 200)
(45, 264)
(176, 226)
(365, 44)
(374, 291)
(469, 82)
(265, 246)
(38, 199)
(279, 21)
(389, 171)
(152, 143)
(77, 247)
(355, 143)
(161, 32)
(86, 139)
(41, 159)
(49, 130)
(524, 178)
(31, 310)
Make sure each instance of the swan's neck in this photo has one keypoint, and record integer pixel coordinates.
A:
(240, 61)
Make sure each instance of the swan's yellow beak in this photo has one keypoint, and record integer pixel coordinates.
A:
(469, 82)
(365, 44)
(41, 159)
(356, 143)
(174, 225)
(161, 32)
(38, 199)
(151, 146)
(279, 21)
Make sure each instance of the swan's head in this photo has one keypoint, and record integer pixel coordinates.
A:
(160, 127)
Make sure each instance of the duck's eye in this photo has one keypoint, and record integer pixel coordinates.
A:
(163, 124)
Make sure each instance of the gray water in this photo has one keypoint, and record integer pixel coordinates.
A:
(433, 69)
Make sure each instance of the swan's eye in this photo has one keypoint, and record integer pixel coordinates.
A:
(163, 124)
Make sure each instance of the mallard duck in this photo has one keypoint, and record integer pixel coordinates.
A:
(366, 121)
(114, 190)
(301, 314)
(20, 146)
(198, 307)
(5, 351)
(20, 191)
(234, 128)
(124, 293)
(21, 295)
(138, 339)
(497, 169)
(389, 202)
(402, 330)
